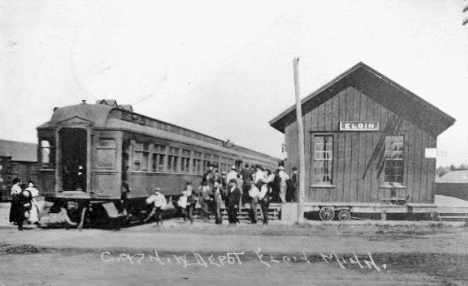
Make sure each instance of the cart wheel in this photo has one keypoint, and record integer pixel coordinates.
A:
(344, 215)
(326, 213)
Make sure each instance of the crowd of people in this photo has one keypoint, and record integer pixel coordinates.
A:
(252, 185)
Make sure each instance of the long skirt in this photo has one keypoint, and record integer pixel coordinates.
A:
(14, 208)
(34, 214)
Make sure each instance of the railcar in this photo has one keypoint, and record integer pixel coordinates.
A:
(88, 152)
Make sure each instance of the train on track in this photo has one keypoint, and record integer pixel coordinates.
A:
(87, 153)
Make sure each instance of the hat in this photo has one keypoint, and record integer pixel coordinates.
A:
(233, 181)
(281, 167)
(233, 167)
(223, 173)
(157, 189)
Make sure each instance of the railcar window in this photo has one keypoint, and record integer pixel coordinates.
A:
(323, 159)
(141, 157)
(394, 159)
(106, 151)
(47, 153)
(196, 163)
(159, 153)
(216, 161)
(173, 160)
(185, 161)
(206, 162)
(223, 164)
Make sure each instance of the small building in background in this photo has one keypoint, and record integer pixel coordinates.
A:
(453, 184)
(368, 142)
(17, 160)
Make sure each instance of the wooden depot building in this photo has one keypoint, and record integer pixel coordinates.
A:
(370, 146)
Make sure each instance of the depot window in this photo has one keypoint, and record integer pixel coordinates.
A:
(323, 159)
(394, 159)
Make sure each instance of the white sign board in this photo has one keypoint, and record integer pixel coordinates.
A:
(431, 153)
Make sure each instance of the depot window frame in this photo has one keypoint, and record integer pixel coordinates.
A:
(394, 169)
(322, 159)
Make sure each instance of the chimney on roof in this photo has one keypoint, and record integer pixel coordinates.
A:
(83, 101)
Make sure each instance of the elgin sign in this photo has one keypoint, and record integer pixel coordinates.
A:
(359, 126)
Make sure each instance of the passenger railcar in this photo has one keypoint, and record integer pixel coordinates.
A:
(87, 151)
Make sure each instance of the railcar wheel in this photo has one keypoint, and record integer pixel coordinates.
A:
(326, 213)
(344, 215)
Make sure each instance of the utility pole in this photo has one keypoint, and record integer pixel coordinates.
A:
(300, 130)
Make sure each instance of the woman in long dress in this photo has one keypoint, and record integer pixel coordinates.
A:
(14, 209)
(34, 212)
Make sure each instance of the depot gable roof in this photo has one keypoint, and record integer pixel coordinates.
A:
(381, 89)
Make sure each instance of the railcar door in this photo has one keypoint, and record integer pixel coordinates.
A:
(73, 144)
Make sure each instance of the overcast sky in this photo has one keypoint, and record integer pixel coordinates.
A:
(224, 68)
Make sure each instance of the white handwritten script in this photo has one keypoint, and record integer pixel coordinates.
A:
(238, 258)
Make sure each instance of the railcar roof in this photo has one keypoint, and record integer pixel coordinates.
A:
(96, 113)
(378, 87)
(100, 114)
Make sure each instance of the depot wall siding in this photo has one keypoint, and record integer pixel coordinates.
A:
(358, 163)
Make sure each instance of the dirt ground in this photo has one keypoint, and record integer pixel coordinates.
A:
(317, 253)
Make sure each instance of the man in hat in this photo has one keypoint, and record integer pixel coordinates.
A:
(247, 177)
(283, 178)
(209, 176)
(232, 201)
(158, 200)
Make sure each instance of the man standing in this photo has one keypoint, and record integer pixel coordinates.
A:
(259, 175)
(159, 202)
(295, 184)
(283, 178)
(247, 177)
(253, 194)
(191, 201)
(264, 198)
(218, 194)
(204, 199)
(233, 198)
(231, 175)
(209, 175)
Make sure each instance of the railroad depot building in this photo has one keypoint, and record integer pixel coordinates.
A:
(370, 145)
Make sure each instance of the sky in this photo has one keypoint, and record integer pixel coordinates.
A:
(224, 68)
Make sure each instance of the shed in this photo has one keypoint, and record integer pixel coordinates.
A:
(453, 184)
(368, 141)
(17, 160)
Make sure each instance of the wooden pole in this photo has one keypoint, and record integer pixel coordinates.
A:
(300, 130)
